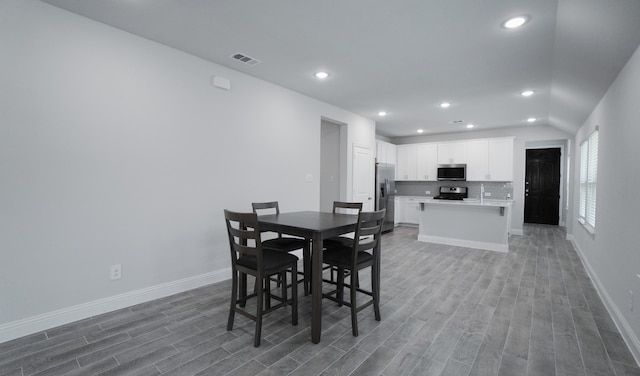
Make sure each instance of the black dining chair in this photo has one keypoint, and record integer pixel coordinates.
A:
(340, 241)
(248, 257)
(286, 243)
(364, 252)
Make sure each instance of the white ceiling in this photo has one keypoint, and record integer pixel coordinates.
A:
(406, 56)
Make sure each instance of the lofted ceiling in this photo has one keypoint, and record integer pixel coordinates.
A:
(406, 57)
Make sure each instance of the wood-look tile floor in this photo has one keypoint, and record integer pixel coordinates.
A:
(445, 311)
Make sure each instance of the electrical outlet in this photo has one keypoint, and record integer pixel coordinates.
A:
(630, 302)
(487, 194)
(116, 272)
(427, 192)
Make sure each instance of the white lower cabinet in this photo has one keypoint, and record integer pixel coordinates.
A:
(412, 211)
(398, 210)
(408, 210)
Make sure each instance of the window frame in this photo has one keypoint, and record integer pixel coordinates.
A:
(588, 182)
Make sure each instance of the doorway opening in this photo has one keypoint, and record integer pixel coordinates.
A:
(330, 162)
(542, 186)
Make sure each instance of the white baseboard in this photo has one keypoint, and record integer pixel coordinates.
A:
(622, 324)
(517, 231)
(34, 324)
(464, 243)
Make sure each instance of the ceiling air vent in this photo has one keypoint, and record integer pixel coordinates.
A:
(245, 59)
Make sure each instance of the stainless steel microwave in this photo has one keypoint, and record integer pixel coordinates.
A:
(452, 172)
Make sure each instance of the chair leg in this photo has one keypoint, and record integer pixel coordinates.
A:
(340, 286)
(259, 310)
(354, 304)
(375, 289)
(306, 268)
(234, 297)
(267, 292)
(243, 289)
(294, 295)
(283, 278)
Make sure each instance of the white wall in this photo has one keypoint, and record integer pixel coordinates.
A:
(116, 150)
(523, 136)
(612, 255)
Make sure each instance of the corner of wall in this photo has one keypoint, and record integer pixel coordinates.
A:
(620, 321)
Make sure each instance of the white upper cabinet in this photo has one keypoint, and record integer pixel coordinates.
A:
(407, 159)
(386, 152)
(478, 160)
(417, 162)
(501, 159)
(490, 160)
(452, 152)
(486, 159)
(427, 164)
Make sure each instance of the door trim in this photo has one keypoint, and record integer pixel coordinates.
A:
(562, 188)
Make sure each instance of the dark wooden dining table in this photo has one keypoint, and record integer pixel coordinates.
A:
(314, 226)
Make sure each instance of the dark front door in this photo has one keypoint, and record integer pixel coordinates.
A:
(542, 186)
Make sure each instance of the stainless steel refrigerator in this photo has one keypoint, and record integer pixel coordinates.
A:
(385, 193)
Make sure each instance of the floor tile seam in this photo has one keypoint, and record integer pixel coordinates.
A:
(318, 354)
(345, 352)
(555, 350)
(35, 356)
(599, 336)
(145, 344)
(76, 358)
(412, 370)
(484, 333)
(405, 345)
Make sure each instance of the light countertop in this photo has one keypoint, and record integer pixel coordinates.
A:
(469, 202)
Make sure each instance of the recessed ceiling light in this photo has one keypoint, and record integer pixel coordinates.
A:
(420, 130)
(527, 93)
(470, 126)
(515, 22)
(321, 75)
(382, 113)
(531, 119)
(445, 104)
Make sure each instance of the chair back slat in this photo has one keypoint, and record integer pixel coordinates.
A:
(263, 208)
(347, 207)
(266, 207)
(244, 235)
(368, 231)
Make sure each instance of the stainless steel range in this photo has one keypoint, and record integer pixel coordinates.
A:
(452, 193)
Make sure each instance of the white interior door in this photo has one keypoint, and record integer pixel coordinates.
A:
(363, 179)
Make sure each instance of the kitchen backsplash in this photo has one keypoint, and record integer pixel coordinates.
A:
(498, 190)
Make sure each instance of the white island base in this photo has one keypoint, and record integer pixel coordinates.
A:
(466, 224)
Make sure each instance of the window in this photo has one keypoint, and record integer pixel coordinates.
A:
(588, 181)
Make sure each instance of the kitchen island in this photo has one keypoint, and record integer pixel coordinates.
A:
(467, 223)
